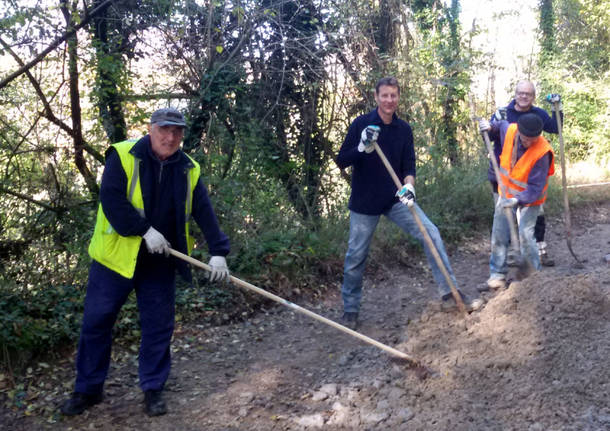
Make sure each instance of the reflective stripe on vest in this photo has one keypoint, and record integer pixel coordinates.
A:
(514, 178)
(120, 253)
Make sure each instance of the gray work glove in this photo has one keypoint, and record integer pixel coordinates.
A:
(219, 270)
(367, 137)
(500, 114)
(554, 100)
(156, 242)
(484, 125)
(407, 194)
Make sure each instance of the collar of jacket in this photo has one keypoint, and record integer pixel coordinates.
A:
(511, 107)
(142, 147)
(375, 119)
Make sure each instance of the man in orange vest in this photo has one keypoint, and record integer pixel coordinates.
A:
(526, 162)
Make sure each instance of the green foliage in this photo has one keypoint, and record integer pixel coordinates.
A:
(457, 200)
(580, 71)
(40, 319)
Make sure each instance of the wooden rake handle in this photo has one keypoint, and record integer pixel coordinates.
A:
(424, 232)
(514, 235)
(564, 185)
(299, 309)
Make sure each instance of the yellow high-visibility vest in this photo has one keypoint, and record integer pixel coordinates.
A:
(120, 253)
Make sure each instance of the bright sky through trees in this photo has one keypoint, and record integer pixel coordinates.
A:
(508, 38)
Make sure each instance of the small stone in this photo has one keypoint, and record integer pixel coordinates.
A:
(340, 415)
(405, 415)
(330, 389)
(312, 421)
(374, 417)
(246, 397)
(319, 396)
(383, 405)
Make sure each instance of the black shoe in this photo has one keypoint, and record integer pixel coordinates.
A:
(546, 260)
(350, 320)
(79, 402)
(155, 406)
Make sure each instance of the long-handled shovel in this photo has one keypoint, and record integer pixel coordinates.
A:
(524, 266)
(424, 232)
(422, 370)
(564, 184)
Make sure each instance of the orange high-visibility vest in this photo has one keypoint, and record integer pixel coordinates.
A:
(514, 179)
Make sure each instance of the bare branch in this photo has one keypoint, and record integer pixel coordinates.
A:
(30, 200)
(23, 69)
(48, 111)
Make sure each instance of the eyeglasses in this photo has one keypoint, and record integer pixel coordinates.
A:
(524, 94)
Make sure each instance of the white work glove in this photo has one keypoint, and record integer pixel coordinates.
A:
(219, 270)
(484, 125)
(510, 202)
(367, 137)
(500, 114)
(156, 242)
(407, 194)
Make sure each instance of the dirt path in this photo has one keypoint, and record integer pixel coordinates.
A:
(535, 358)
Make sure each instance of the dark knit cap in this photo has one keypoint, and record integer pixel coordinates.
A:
(530, 125)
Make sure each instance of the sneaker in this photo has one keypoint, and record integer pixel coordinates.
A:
(350, 319)
(79, 402)
(153, 400)
(496, 283)
(472, 304)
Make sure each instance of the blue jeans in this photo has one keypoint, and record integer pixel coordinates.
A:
(500, 239)
(361, 229)
(107, 291)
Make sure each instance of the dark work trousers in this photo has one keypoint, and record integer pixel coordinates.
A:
(540, 228)
(107, 291)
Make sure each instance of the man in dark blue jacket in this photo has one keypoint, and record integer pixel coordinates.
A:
(150, 189)
(523, 103)
(374, 194)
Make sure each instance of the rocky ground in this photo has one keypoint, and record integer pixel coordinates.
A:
(535, 358)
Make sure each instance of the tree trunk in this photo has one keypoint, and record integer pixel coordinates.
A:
(110, 67)
(77, 137)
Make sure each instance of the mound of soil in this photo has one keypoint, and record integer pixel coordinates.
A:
(534, 358)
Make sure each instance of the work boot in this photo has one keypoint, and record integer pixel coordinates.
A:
(472, 304)
(545, 259)
(154, 404)
(350, 320)
(79, 402)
